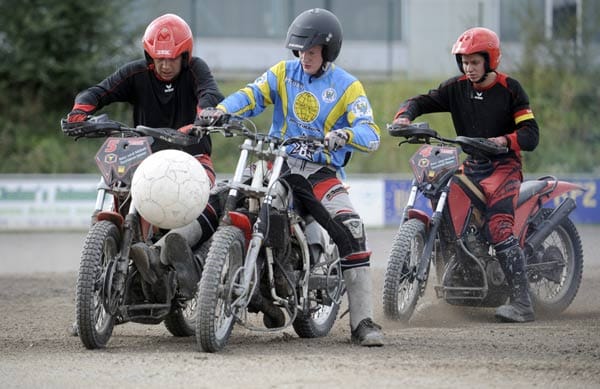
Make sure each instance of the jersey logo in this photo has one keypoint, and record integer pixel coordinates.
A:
(261, 80)
(169, 88)
(477, 96)
(329, 95)
(306, 107)
(361, 107)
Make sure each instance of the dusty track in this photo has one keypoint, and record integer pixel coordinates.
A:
(442, 346)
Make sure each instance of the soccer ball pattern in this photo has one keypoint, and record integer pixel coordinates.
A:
(170, 189)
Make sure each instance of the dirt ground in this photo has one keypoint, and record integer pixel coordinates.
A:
(442, 347)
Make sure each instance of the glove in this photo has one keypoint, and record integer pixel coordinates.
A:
(337, 139)
(187, 129)
(209, 117)
(77, 115)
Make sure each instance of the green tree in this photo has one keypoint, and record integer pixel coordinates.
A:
(51, 49)
(559, 73)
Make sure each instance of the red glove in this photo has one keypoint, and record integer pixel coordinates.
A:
(80, 113)
(185, 129)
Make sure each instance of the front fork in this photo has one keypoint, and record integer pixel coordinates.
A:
(116, 271)
(434, 226)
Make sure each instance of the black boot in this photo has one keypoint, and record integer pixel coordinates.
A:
(177, 253)
(147, 261)
(519, 309)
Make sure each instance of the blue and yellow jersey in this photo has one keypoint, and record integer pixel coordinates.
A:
(305, 105)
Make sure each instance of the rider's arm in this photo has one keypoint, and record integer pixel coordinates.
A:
(526, 135)
(256, 96)
(436, 100)
(116, 87)
(205, 86)
(364, 134)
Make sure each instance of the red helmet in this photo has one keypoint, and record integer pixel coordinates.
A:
(478, 40)
(168, 36)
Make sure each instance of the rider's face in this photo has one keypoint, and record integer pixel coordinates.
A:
(167, 68)
(312, 59)
(473, 66)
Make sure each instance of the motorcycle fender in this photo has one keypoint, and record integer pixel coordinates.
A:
(418, 214)
(111, 216)
(561, 188)
(242, 222)
(552, 190)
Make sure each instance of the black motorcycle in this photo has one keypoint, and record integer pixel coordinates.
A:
(110, 289)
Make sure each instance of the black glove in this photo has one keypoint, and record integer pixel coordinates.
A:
(210, 117)
(337, 139)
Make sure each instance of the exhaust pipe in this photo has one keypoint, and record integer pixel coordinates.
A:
(548, 225)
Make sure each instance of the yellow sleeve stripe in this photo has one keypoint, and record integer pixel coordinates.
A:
(524, 114)
(279, 72)
(350, 94)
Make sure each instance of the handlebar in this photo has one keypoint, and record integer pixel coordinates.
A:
(101, 126)
(235, 125)
(419, 133)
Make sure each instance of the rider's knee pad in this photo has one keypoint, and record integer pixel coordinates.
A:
(355, 229)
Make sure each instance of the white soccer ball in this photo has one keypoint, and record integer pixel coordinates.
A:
(170, 189)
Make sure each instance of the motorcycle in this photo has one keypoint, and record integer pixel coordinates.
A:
(453, 238)
(110, 289)
(265, 256)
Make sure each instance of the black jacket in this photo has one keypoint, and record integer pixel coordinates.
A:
(158, 103)
(501, 109)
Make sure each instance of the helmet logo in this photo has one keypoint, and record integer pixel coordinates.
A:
(328, 38)
(306, 107)
(164, 34)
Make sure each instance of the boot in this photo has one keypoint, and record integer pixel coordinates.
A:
(273, 317)
(519, 309)
(177, 253)
(359, 285)
(147, 261)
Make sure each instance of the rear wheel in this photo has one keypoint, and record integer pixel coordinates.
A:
(100, 250)
(401, 289)
(555, 268)
(215, 319)
(325, 304)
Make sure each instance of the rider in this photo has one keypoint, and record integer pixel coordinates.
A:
(486, 103)
(168, 88)
(312, 96)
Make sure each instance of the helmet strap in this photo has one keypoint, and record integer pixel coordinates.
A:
(482, 79)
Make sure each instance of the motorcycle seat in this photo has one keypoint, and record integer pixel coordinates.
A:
(528, 189)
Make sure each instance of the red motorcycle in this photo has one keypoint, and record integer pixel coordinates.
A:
(453, 237)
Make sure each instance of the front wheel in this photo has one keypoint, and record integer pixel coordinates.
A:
(555, 268)
(100, 249)
(215, 319)
(401, 289)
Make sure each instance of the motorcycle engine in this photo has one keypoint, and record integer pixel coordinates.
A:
(475, 242)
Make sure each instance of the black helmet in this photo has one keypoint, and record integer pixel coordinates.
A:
(316, 26)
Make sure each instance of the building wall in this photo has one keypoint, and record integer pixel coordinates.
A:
(410, 38)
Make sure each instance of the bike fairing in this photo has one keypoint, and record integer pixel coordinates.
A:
(311, 106)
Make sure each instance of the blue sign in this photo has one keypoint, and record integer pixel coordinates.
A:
(587, 211)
